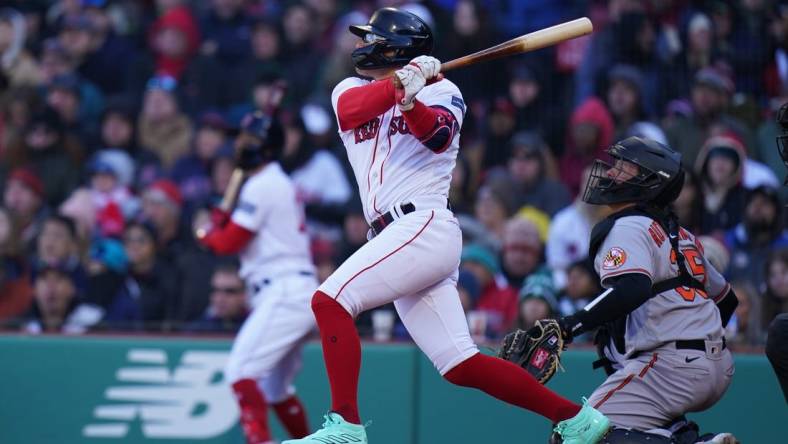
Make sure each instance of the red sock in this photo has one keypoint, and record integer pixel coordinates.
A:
(342, 354)
(512, 384)
(254, 413)
(292, 416)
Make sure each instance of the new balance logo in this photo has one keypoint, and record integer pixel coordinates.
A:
(342, 438)
(191, 401)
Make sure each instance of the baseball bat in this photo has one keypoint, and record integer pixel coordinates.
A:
(519, 45)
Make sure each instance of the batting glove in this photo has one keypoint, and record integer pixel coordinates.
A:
(412, 80)
(429, 66)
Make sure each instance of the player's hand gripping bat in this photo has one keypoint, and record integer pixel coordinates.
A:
(518, 45)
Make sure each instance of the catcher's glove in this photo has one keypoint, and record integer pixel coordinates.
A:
(537, 350)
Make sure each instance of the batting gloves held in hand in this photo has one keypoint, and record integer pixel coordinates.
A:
(414, 77)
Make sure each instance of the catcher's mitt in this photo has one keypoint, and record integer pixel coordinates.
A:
(537, 350)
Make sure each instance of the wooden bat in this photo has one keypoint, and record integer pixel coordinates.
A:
(238, 176)
(518, 45)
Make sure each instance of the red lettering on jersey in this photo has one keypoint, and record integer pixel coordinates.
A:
(367, 131)
(398, 125)
(683, 234)
(656, 233)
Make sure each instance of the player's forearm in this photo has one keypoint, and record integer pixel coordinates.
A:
(727, 305)
(361, 104)
(434, 126)
(230, 239)
(629, 291)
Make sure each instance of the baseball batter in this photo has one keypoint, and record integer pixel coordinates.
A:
(267, 229)
(402, 144)
(666, 303)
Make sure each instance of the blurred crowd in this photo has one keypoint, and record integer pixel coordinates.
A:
(117, 119)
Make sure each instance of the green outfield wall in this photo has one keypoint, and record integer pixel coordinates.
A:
(99, 390)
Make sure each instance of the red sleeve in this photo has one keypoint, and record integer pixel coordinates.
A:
(230, 239)
(361, 104)
(434, 126)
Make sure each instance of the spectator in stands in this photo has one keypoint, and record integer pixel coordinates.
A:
(468, 289)
(744, 327)
(23, 197)
(265, 60)
(523, 251)
(299, 52)
(57, 306)
(534, 111)
(79, 118)
(221, 171)
(76, 37)
(113, 203)
(192, 171)
(18, 66)
(526, 175)
(710, 96)
(118, 132)
(537, 300)
(107, 268)
(354, 231)
(15, 292)
(50, 154)
(58, 243)
(162, 128)
(152, 280)
(318, 176)
(719, 166)
(16, 108)
(698, 52)
(582, 286)
(570, 230)
(775, 296)
(226, 29)
(761, 231)
(497, 300)
(101, 66)
(500, 126)
(688, 206)
(161, 205)
(228, 307)
(625, 98)
(494, 205)
(174, 40)
(589, 134)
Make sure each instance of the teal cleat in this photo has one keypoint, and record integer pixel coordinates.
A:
(335, 429)
(589, 426)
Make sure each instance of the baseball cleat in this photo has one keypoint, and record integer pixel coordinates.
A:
(587, 427)
(335, 429)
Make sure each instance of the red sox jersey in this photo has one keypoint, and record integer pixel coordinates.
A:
(391, 165)
(638, 244)
(267, 206)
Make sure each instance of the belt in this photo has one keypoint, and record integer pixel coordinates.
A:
(267, 281)
(385, 220)
(696, 344)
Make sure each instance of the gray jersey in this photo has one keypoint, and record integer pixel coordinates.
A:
(637, 244)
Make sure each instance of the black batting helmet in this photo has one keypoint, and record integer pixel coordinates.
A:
(266, 143)
(390, 29)
(658, 181)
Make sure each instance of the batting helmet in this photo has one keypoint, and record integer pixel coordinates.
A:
(658, 180)
(401, 34)
(266, 142)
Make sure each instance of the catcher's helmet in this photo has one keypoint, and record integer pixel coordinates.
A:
(390, 29)
(659, 178)
(268, 139)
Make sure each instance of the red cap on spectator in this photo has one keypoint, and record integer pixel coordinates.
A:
(169, 188)
(29, 179)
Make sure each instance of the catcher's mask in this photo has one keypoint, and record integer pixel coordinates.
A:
(261, 140)
(643, 171)
(782, 139)
(393, 39)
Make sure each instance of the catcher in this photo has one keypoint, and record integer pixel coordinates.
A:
(663, 310)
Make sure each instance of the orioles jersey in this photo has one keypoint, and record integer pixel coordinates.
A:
(638, 244)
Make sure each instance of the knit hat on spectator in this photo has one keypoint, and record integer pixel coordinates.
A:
(628, 74)
(165, 189)
(47, 118)
(116, 162)
(79, 22)
(482, 256)
(214, 120)
(540, 285)
(538, 218)
(111, 253)
(29, 179)
(67, 82)
(715, 252)
(716, 79)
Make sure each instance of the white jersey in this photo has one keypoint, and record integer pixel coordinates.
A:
(392, 166)
(267, 206)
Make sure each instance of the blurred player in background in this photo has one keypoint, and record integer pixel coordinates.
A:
(267, 229)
